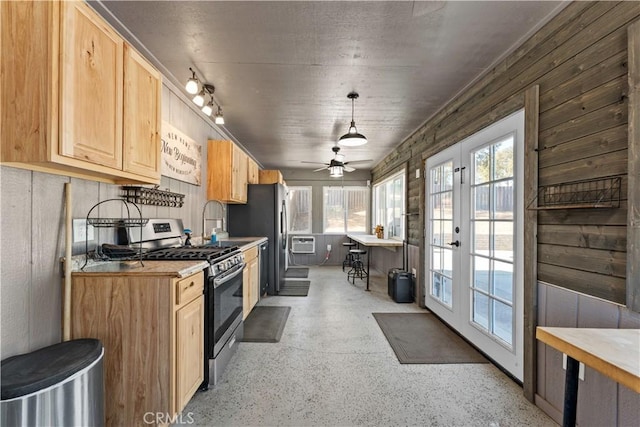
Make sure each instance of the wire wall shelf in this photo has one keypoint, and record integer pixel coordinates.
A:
(152, 196)
(583, 194)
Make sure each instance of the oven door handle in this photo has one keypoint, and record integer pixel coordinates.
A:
(222, 280)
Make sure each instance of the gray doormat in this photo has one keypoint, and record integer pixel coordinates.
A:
(265, 323)
(294, 288)
(296, 273)
(423, 338)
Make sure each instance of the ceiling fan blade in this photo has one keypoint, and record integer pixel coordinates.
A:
(315, 163)
(348, 169)
(320, 169)
(357, 161)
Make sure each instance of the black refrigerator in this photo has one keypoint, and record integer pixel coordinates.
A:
(264, 215)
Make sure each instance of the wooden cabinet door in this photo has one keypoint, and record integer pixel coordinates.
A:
(246, 305)
(91, 76)
(142, 115)
(239, 178)
(189, 351)
(254, 283)
(252, 171)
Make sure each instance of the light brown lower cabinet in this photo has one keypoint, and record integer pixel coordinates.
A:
(250, 281)
(152, 329)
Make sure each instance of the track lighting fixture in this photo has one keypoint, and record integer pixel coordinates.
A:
(208, 109)
(201, 90)
(192, 83)
(199, 98)
(219, 119)
(352, 138)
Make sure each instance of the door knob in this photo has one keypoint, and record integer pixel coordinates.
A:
(456, 243)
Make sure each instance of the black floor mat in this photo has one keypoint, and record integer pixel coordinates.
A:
(295, 288)
(296, 273)
(265, 323)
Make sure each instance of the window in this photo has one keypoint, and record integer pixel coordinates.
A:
(345, 209)
(388, 209)
(299, 210)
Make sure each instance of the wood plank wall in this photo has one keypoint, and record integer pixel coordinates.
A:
(33, 210)
(579, 60)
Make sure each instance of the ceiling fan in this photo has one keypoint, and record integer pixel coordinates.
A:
(337, 165)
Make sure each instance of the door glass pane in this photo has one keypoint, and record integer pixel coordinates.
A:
(502, 321)
(481, 237)
(447, 262)
(481, 273)
(447, 176)
(503, 200)
(503, 159)
(436, 285)
(482, 165)
(503, 240)
(436, 206)
(447, 290)
(503, 280)
(481, 201)
(481, 309)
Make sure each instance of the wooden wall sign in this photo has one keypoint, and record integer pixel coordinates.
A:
(181, 156)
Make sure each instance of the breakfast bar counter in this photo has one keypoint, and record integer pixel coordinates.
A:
(373, 241)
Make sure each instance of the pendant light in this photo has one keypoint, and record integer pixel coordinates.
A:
(352, 138)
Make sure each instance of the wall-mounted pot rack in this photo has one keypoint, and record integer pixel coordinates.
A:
(152, 196)
(583, 194)
(124, 222)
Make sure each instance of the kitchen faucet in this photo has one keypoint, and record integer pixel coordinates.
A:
(204, 219)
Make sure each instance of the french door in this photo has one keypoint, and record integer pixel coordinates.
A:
(474, 234)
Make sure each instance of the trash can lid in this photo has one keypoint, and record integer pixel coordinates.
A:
(30, 372)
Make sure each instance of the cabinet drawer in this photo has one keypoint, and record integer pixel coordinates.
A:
(189, 288)
(250, 254)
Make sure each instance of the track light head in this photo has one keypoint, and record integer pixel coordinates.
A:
(192, 83)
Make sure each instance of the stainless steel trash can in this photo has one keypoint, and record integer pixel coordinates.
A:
(59, 385)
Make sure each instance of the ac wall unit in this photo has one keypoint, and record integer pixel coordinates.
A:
(303, 244)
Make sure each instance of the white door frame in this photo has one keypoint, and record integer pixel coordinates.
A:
(459, 316)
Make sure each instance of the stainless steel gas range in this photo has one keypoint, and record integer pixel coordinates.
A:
(161, 239)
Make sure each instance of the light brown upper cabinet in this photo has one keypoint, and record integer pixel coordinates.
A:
(226, 172)
(77, 100)
(252, 171)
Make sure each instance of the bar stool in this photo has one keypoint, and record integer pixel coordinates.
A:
(348, 259)
(357, 266)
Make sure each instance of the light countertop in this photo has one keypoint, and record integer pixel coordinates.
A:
(612, 352)
(147, 268)
(371, 240)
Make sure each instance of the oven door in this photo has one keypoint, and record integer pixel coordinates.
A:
(224, 308)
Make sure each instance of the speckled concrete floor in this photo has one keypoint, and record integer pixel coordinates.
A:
(334, 367)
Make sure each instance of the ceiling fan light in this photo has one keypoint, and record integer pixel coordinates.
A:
(335, 171)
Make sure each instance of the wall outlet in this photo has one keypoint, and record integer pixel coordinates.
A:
(329, 248)
(413, 271)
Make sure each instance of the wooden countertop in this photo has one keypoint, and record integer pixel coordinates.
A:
(150, 268)
(371, 240)
(612, 352)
